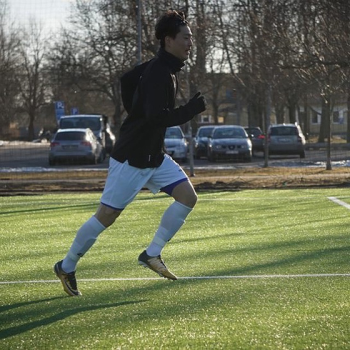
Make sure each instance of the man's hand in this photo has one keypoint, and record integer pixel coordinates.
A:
(196, 104)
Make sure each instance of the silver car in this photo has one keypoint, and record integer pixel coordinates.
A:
(229, 141)
(286, 139)
(176, 144)
(75, 145)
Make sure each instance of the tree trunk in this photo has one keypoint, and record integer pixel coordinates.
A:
(31, 127)
(306, 122)
(348, 116)
(279, 110)
(323, 127)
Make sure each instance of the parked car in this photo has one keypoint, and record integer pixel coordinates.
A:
(257, 137)
(176, 144)
(286, 139)
(98, 123)
(229, 141)
(201, 141)
(75, 145)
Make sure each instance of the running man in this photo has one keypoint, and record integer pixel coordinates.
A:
(138, 159)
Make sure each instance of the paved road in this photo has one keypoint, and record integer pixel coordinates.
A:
(18, 155)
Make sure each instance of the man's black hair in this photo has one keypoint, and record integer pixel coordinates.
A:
(169, 25)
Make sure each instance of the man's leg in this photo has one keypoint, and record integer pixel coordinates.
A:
(83, 241)
(87, 235)
(174, 217)
(172, 220)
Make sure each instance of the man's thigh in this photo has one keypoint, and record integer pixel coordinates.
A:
(123, 183)
(167, 174)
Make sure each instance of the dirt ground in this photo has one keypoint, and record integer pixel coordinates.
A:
(203, 180)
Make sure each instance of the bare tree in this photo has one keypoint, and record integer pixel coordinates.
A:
(30, 75)
(92, 57)
(9, 45)
(317, 49)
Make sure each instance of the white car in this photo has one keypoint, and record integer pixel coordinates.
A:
(176, 144)
(75, 145)
(286, 139)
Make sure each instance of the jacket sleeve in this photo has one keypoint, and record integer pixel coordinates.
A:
(158, 99)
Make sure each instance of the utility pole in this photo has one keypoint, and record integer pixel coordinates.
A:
(189, 123)
(189, 129)
(139, 31)
(267, 124)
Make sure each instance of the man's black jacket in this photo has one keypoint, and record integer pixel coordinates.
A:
(141, 138)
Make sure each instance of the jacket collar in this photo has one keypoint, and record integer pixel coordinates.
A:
(174, 63)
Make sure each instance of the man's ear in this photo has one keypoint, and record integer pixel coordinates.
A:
(167, 40)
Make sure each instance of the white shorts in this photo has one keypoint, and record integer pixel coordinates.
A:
(124, 181)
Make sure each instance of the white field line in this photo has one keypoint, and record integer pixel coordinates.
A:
(338, 201)
(186, 278)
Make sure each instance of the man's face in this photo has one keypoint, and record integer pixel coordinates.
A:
(180, 47)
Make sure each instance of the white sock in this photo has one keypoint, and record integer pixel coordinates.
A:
(84, 240)
(172, 220)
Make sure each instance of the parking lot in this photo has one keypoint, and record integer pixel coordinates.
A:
(16, 155)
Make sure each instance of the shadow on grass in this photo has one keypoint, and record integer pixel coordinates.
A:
(300, 256)
(26, 303)
(93, 206)
(16, 330)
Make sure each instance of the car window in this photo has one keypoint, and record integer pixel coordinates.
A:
(70, 136)
(254, 132)
(284, 131)
(229, 133)
(93, 124)
(174, 133)
(205, 132)
(83, 122)
(67, 124)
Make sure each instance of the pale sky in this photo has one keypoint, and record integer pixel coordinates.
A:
(50, 12)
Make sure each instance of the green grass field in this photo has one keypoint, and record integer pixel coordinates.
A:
(259, 269)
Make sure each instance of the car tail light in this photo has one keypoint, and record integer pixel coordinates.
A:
(86, 143)
(261, 136)
(54, 144)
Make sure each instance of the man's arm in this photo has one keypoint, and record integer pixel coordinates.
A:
(155, 103)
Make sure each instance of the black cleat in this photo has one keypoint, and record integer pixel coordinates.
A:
(68, 280)
(156, 264)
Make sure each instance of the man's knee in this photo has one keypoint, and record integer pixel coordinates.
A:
(106, 215)
(191, 200)
(185, 194)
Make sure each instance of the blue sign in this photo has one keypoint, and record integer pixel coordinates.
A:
(59, 110)
(75, 111)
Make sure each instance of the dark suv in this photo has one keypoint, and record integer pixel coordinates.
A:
(201, 141)
(257, 137)
(286, 139)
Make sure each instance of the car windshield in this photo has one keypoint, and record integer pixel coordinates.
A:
(174, 133)
(205, 132)
(254, 132)
(229, 133)
(81, 122)
(70, 136)
(284, 131)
